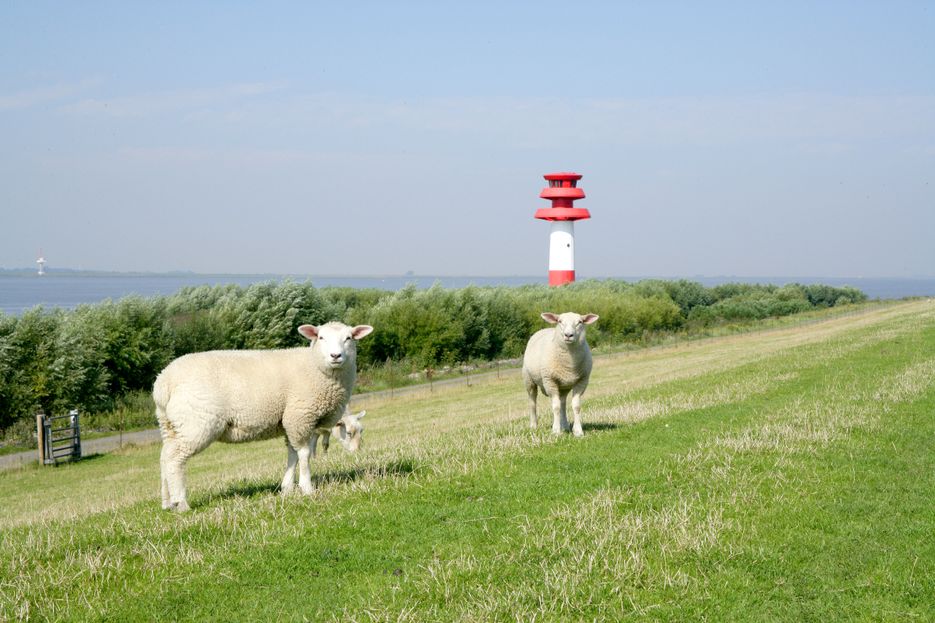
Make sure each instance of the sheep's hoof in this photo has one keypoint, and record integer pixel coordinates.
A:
(557, 431)
(578, 432)
(180, 507)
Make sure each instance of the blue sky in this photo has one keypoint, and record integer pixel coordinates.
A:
(714, 138)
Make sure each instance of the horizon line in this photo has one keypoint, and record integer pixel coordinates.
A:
(410, 274)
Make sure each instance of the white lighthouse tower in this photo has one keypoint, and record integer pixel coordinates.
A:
(563, 191)
(41, 262)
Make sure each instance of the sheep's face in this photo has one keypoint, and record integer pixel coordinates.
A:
(570, 326)
(335, 343)
(350, 431)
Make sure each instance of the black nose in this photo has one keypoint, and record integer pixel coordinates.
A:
(335, 356)
(569, 335)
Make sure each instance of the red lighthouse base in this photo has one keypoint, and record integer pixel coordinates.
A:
(561, 277)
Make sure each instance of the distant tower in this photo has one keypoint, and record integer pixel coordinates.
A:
(41, 263)
(563, 191)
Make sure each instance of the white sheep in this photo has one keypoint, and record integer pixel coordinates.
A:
(237, 396)
(557, 362)
(348, 430)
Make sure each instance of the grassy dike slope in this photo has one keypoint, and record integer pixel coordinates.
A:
(774, 476)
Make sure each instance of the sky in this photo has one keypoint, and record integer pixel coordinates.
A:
(376, 138)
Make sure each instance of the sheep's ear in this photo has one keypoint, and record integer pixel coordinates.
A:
(549, 317)
(309, 331)
(361, 415)
(589, 318)
(361, 331)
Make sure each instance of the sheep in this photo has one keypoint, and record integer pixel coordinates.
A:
(237, 396)
(557, 362)
(348, 430)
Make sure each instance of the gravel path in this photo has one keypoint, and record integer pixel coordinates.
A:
(88, 447)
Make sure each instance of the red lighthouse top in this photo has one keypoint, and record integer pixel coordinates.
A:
(563, 191)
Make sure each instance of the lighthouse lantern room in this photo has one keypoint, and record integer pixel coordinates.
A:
(563, 191)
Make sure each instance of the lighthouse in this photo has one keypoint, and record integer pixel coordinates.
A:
(41, 262)
(562, 191)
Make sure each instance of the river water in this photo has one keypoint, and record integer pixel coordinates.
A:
(19, 292)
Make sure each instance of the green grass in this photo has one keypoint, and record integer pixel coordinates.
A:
(135, 410)
(774, 476)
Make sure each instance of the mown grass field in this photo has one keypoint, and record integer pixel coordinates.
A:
(783, 475)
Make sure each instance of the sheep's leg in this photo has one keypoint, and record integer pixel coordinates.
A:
(576, 407)
(559, 423)
(564, 412)
(533, 392)
(325, 442)
(166, 501)
(305, 473)
(164, 481)
(576, 393)
(175, 456)
(288, 480)
(313, 444)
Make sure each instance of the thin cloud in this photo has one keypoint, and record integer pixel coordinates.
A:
(686, 119)
(596, 121)
(188, 100)
(34, 97)
(225, 157)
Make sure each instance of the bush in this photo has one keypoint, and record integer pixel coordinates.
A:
(81, 368)
(27, 354)
(132, 410)
(104, 358)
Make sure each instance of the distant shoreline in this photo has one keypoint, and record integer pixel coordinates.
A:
(22, 290)
(76, 272)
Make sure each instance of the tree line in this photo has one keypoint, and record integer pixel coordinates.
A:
(94, 355)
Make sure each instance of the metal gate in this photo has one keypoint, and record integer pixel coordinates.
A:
(59, 437)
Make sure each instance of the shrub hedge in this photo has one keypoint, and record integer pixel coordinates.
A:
(93, 356)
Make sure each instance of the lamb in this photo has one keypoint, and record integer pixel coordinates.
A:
(237, 396)
(557, 362)
(348, 430)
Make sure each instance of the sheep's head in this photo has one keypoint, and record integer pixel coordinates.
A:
(350, 431)
(570, 326)
(335, 342)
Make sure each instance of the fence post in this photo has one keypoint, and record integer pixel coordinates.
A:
(47, 437)
(40, 435)
(75, 424)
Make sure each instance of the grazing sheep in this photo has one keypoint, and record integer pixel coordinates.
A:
(237, 396)
(348, 430)
(558, 361)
